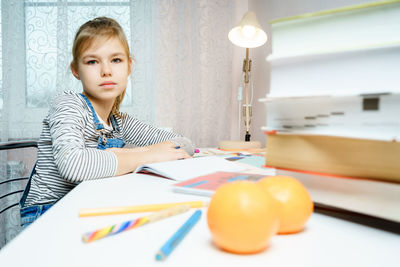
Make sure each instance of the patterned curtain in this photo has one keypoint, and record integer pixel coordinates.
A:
(181, 78)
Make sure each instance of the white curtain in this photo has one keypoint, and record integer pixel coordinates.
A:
(182, 76)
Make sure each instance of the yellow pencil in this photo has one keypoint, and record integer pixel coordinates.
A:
(140, 208)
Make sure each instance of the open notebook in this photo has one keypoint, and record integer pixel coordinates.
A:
(181, 170)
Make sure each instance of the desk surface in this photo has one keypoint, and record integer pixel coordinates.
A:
(55, 238)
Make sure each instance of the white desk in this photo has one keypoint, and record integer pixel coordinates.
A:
(55, 238)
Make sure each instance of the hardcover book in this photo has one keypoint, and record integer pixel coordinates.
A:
(370, 197)
(372, 159)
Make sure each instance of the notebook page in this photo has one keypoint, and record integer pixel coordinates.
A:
(181, 170)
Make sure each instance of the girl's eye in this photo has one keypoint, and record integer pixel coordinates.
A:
(116, 60)
(91, 62)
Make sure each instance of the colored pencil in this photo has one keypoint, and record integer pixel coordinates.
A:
(140, 208)
(128, 225)
(177, 237)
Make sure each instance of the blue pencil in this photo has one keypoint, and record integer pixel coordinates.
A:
(177, 237)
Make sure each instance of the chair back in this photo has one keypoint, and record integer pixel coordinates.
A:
(16, 162)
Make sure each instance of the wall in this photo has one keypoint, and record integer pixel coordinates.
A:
(267, 10)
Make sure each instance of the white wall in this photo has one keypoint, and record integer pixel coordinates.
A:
(267, 10)
(241, 7)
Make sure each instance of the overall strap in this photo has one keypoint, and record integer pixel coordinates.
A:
(115, 124)
(98, 124)
(27, 187)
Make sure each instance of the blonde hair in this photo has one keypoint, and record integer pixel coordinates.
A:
(92, 31)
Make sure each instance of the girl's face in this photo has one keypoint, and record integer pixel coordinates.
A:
(104, 69)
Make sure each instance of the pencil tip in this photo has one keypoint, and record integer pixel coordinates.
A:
(159, 256)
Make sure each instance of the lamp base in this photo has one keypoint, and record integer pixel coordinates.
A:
(233, 145)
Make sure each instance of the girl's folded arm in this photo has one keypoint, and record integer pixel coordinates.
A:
(74, 160)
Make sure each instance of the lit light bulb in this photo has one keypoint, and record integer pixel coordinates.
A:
(248, 31)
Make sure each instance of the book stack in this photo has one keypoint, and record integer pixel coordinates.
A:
(333, 106)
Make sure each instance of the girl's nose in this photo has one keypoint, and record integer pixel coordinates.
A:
(106, 70)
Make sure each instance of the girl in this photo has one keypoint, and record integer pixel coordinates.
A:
(85, 136)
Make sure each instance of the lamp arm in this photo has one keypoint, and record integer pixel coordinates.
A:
(247, 111)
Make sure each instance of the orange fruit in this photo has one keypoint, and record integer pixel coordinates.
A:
(296, 204)
(242, 218)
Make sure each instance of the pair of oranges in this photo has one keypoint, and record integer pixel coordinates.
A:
(243, 216)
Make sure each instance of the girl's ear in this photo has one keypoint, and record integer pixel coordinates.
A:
(130, 66)
(74, 71)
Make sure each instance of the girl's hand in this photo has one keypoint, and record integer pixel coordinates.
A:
(166, 151)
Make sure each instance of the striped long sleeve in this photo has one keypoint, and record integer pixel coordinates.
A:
(67, 148)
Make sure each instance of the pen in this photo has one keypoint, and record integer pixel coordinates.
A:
(196, 150)
(177, 237)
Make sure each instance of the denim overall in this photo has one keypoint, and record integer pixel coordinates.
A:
(103, 142)
(30, 214)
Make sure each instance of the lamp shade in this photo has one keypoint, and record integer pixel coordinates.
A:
(248, 33)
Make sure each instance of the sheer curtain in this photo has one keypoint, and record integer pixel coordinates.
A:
(182, 74)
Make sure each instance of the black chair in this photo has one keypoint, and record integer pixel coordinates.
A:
(16, 162)
(7, 180)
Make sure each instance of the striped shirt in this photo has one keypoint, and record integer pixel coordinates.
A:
(67, 148)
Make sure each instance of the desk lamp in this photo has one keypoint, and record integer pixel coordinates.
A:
(248, 34)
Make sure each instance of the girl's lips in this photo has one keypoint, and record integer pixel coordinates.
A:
(108, 84)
